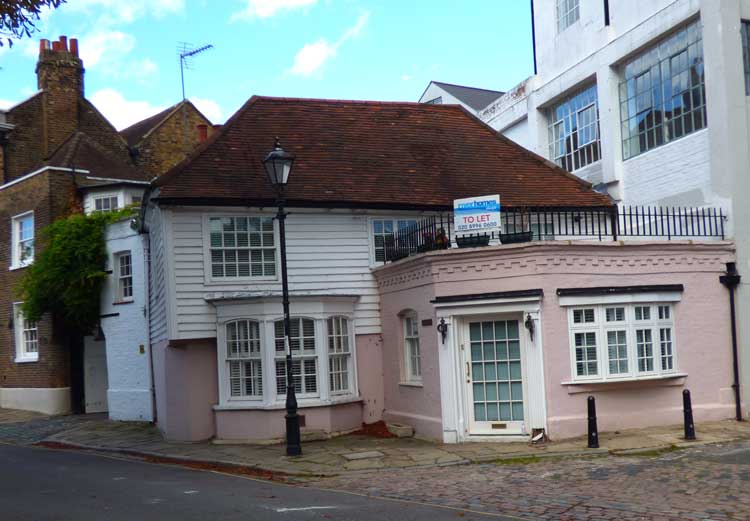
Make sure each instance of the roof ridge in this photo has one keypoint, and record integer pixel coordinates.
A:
(332, 101)
(466, 86)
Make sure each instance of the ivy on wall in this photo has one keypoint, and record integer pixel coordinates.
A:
(68, 273)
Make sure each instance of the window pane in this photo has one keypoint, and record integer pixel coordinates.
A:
(574, 130)
(239, 248)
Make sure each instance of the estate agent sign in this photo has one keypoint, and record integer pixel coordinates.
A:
(476, 214)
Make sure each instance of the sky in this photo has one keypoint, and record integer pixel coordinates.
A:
(343, 49)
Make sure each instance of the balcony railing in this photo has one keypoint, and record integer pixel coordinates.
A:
(524, 225)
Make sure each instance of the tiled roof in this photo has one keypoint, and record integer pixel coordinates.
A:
(81, 152)
(368, 154)
(135, 132)
(474, 97)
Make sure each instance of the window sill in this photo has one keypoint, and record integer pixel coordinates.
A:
(15, 267)
(121, 302)
(582, 386)
(411, 384)
(27, 360)
(279, 406)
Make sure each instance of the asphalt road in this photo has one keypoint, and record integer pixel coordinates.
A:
(44, 485)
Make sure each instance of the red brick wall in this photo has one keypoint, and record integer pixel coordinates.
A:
(48, 194)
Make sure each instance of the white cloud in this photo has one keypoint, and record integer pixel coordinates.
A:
(268, 8)
(313, 55)
(106, 46)
(210, 109)
(406, 77)
(6, 104)
(140, 70)
(113, 12)
(122, 112)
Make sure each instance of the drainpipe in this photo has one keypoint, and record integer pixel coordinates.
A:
(731, 280)
(533, 35)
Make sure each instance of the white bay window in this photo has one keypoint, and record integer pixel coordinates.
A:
(621, 341)
(252, 354)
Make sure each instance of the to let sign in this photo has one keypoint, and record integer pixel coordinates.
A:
(476, 214)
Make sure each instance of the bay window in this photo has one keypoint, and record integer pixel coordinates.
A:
(242, 247)
(252, 360)
(663, 94)
(619, 341)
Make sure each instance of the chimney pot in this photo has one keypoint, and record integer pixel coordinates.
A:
(56, 46)
(64, 43)
(74, 47)
(43, 45)
(202, 133)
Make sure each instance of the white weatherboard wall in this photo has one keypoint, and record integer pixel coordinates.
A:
(328, 253)
(128, 361)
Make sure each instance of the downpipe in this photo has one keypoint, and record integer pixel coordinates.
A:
(731, 280)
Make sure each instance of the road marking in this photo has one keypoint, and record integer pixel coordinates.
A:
(118, 479)
(190, 492)
(280, 510)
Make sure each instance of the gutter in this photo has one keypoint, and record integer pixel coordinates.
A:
(731, 280)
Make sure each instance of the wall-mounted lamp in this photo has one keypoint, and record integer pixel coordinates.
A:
(442, 328)
(529, 323)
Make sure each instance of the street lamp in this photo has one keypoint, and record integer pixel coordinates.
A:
(278, 164)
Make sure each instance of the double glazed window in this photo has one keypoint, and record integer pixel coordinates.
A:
(412, 356)
(663, 95)
(22, 237)
(124, 272)
(382, 232)
(242, 247)
(26, 336)
(321, 352)
(568, 12)
(622, 341)
(574, 130)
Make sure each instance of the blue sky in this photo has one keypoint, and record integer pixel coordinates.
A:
(347, 49)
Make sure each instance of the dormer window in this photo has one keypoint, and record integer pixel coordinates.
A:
(107, 203)
(568, 13)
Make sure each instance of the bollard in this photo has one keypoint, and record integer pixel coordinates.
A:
(687, 409)
(593, 431)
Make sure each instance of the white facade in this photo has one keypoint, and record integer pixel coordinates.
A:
(705, 167)
(125, 326)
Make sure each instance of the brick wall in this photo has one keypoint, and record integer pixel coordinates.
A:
(26, 145)
(172, 141)
(49, 195)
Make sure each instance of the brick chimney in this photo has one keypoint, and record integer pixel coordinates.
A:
(59, 73)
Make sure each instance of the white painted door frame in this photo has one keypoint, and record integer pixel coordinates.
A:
(453, 388)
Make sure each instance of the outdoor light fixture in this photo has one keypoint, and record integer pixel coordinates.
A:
(529, 323)
(278, 164)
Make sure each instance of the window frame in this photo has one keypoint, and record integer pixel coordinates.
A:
(559, 16)
(371, 233)
(209, 278)
(16, 221)
(22, 355)
(102, 197)
(301, 355)
(120, 298)
(345, 356)
(577, 156)
(271, 398)
(640, 132)
(407, 338)
(631, 325)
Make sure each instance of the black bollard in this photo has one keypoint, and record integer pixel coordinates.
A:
(687, 409)
(593, 431)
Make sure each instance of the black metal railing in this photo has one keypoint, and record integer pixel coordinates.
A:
(523, 225)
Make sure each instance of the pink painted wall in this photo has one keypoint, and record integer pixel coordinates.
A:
(702, 335)
(370, 376)
(248, 425)
(415, 406)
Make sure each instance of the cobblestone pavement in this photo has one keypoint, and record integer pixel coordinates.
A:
(706, 483)
(25, 428)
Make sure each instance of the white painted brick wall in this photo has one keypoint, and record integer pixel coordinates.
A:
(669, 170)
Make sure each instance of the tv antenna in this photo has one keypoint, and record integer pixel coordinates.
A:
(186, 52)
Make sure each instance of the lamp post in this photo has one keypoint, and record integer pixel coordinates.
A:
(278, 164)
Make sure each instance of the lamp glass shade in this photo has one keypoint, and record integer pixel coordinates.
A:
(278, 164)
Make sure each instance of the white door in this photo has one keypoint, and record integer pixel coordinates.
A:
(493, 358)
(95, 375)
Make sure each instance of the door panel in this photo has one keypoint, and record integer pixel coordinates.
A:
(495, 377)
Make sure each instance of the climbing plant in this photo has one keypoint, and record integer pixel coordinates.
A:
(68, 272)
